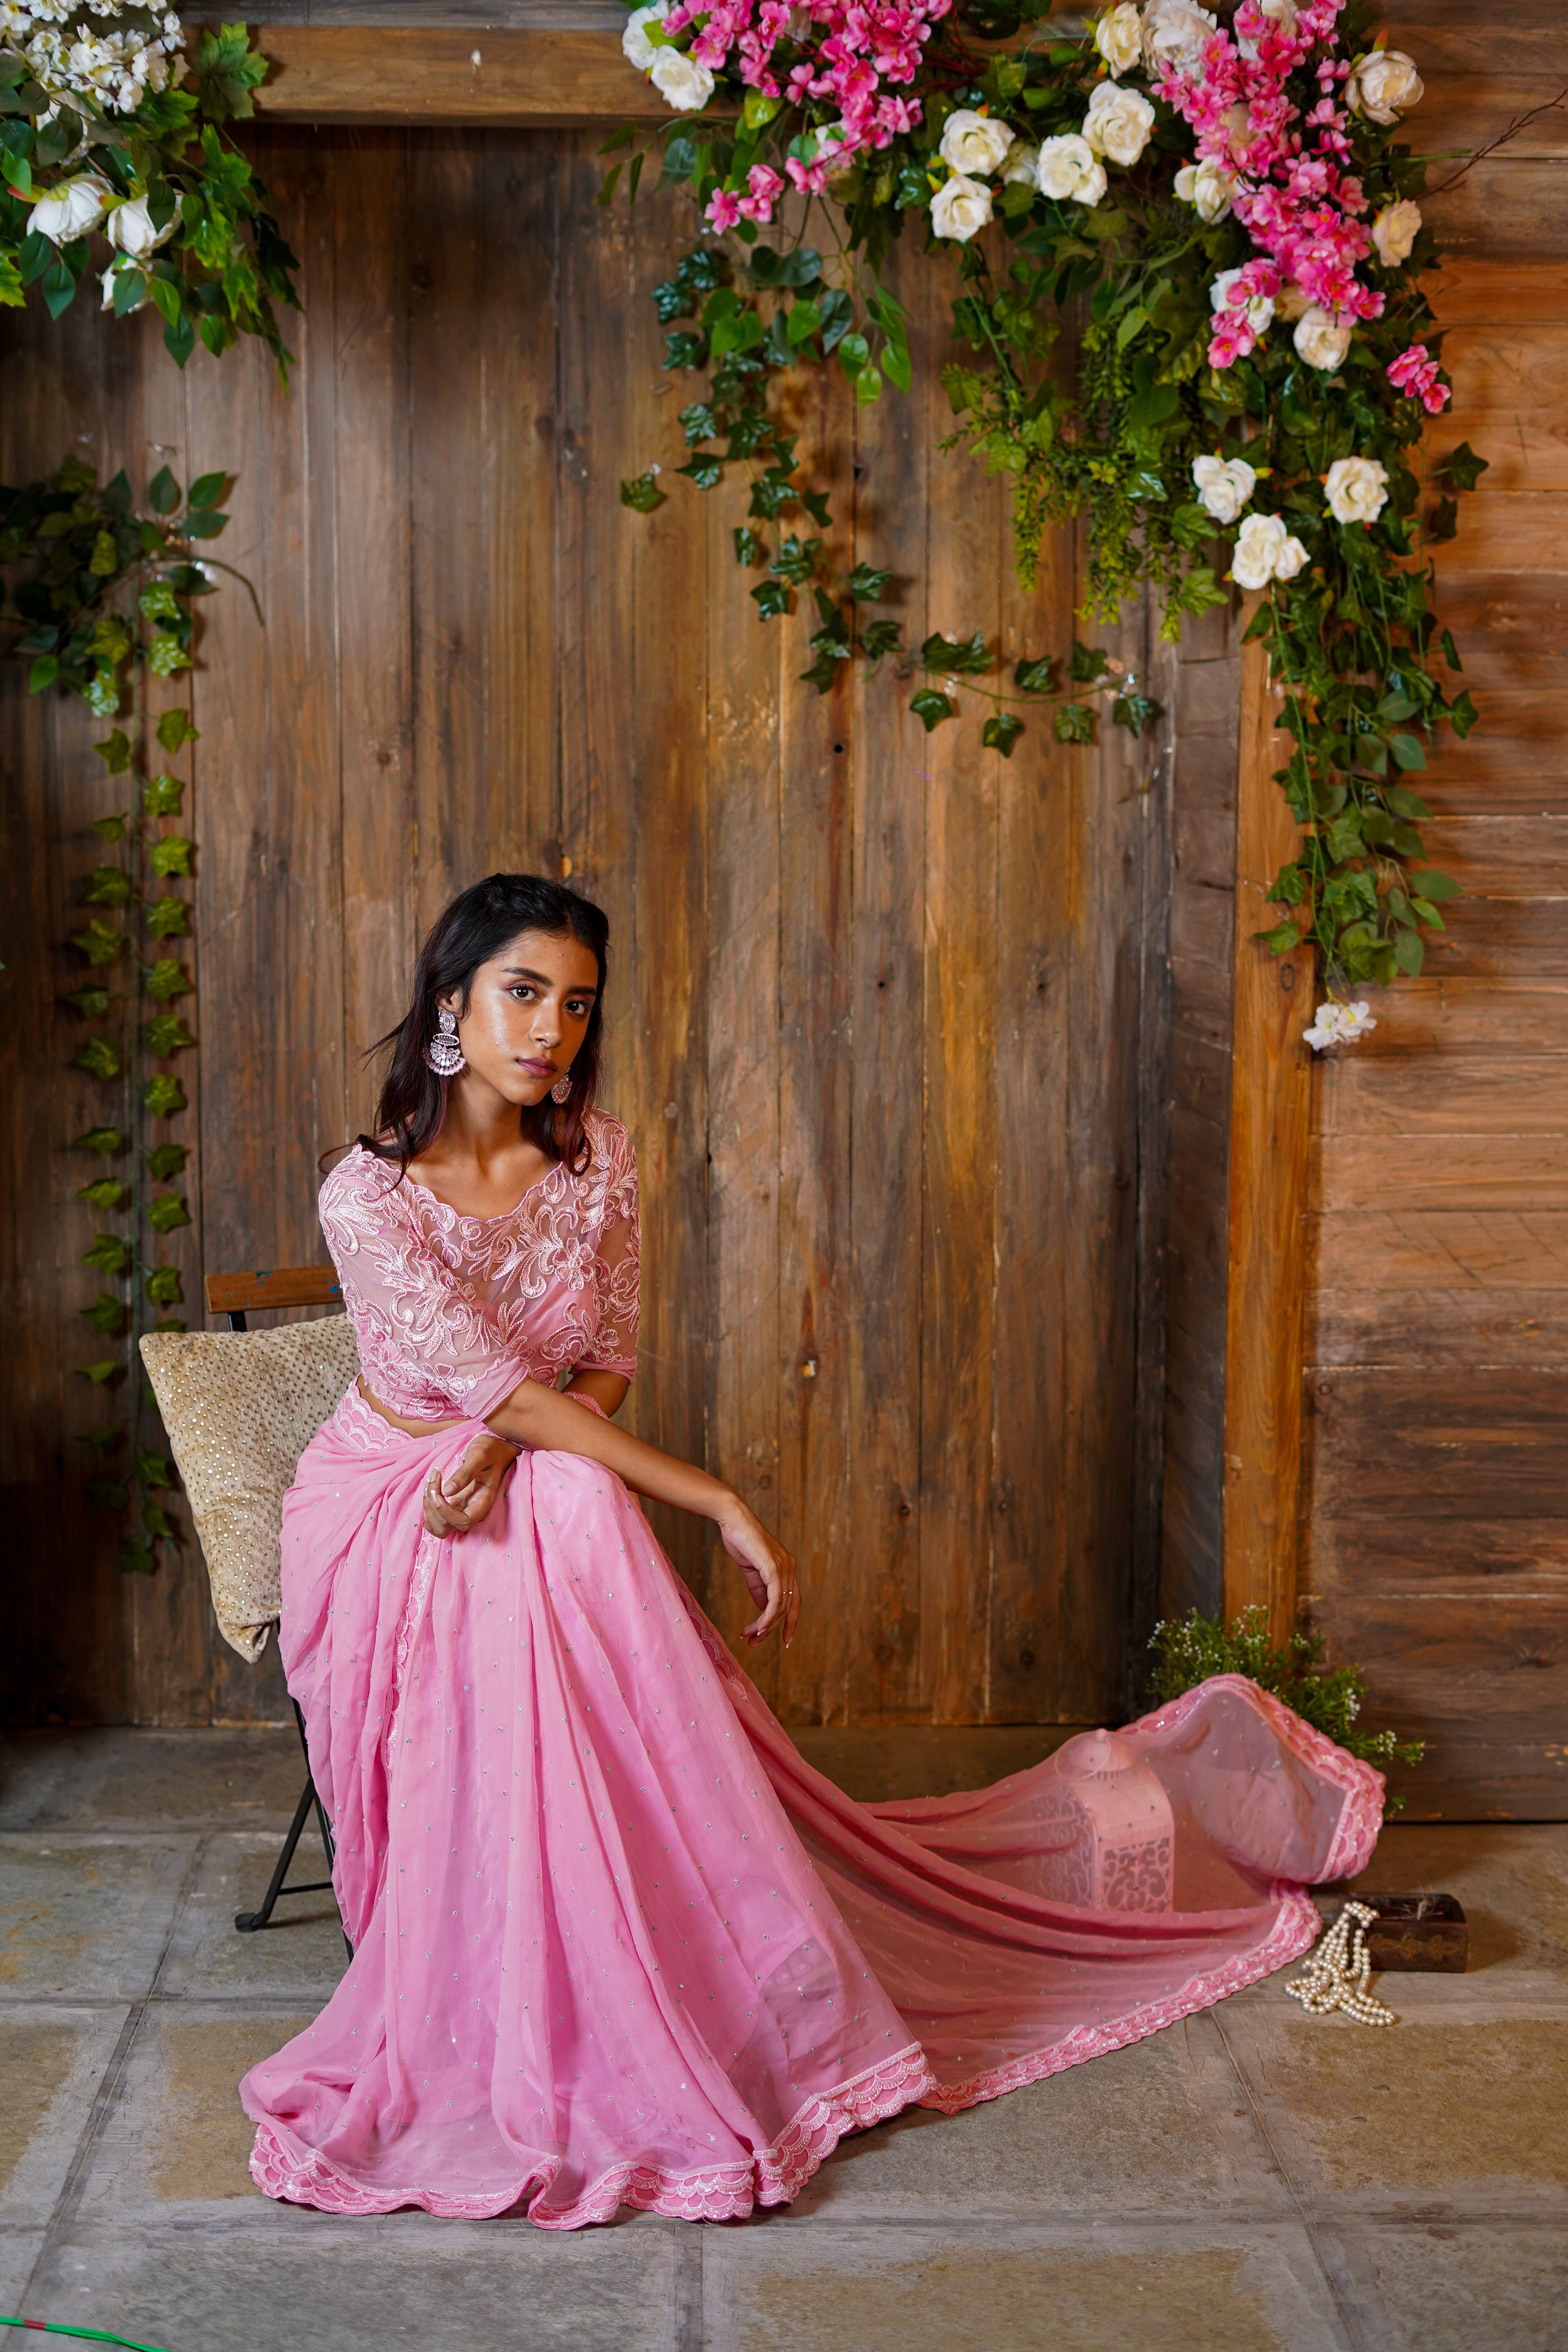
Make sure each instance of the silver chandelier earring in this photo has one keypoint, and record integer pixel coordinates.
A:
(444, 1054)
(561, 1091)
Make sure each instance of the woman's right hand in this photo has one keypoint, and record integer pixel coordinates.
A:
(768, 1569)
(464, 1497)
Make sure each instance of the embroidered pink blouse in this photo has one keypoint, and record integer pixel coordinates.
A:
(451, 1313)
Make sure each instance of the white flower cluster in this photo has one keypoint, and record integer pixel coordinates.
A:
(1070, 167)
(72, 55)
(1340, 1025)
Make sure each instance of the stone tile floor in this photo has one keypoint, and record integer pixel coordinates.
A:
(1254, 2181)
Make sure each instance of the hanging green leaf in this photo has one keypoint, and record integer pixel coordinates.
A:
(166, 1034)
(171, 855)
(168, 917)
(932, 707)
(115, 749)
(167, 1212)
(642, 492)
(153, 1469)
(161, 795)
(1074, 723)
(1001, 731)
(136, 1556)
(107, 1314)
(100, 1058)
(105, 1141)
(163, 1285)
(163, 1097)
(166, 1160)
(174, 729)
(92, 1002)
(166, 979)
(109, 1254)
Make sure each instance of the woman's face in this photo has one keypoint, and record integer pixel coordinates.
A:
(528, 1013)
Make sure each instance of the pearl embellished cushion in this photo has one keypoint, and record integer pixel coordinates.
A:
(241, 1407)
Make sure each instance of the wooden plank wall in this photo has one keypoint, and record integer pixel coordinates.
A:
(886, 1011)
(1436, 1505)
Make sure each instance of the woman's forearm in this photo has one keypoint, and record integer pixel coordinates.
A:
(545, 1421)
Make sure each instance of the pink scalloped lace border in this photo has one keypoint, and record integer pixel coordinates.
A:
(285, 2169)
(1361, 1816)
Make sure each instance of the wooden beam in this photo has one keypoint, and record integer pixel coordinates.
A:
(263, 1287)
(355, 73)
(1271, 1136)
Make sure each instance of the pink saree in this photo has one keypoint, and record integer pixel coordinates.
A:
(614, 1942)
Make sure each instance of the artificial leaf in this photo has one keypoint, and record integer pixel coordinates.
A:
(109, 1252)
(100, 1058)
(175, 729)
(136, 1556)
(92, 1002)
(1034, 676)
(156, 1522)
(161, 795)
(772, 598)
(166, 1160)
(932, 707)
(153, 1469)
(98, 1374)
(642, 493)
(167, 917)
(1463, 468)
(106, 886)
(167, 1212)
(172, 855)
(869, 585)
(162, 492)
(1085, 664)
(107, 1494)
(1001, 732)
(104, 1193)
(165, 980)
(107, 1314)
(115, 749)
(163, 1097)
(1132, 711)
(104, 1141)
(1074, 723)
(166, 1034)
(965, 656)
(163, 1285)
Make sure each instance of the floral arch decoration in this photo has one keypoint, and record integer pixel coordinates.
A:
(1228, 206)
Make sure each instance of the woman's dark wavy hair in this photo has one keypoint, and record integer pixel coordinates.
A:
(474, 930)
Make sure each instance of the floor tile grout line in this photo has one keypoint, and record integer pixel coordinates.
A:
(104, 2099)
(1348, 2319)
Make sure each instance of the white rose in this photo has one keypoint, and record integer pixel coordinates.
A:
(1290, 303)
(1067, 168)
(1292, 557)
(959, 207)
(1260, 544)
(131, 228)
(973, 143)
(1023, 164)
(1356, 490)
(1340, 1025)
(635, 42)
(70, 209)
(1175, 33)
(1322, 340)
(1224, 485)
(1208, 186)
(1117, 122)
(1394, 231)
(1260, 309)
(678, 79)
(110, 276)
(1385, 85)
(1118, 38)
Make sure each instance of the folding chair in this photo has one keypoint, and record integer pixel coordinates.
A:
(237, 1295)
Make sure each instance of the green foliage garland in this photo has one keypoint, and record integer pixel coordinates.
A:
(102, 603)
(187, 219)
(1355, 637)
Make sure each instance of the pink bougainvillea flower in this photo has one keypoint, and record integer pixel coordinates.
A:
(1417, 376)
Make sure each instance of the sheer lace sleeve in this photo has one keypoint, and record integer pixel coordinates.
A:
(618, 1260)
(426, 1345)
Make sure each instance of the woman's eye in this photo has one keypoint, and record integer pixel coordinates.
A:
(577, 1008)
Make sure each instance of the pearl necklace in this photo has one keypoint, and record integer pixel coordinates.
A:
(1336, 1976)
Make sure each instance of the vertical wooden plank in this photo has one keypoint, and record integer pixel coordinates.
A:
(519, 333)
(1100, 1114)
(959, 1265)
(381, 845)
(740, 984)
(881, 1590)
(814, 1058)
(449, 274)
(1033, 868)
(1271, 1124)
(269, 860)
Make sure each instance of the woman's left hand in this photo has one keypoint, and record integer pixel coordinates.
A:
(768, 1569)
(460, 1501)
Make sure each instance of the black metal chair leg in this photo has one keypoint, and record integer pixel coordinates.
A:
(247, 1922)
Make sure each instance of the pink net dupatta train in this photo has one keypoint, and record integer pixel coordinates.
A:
(614, 1942)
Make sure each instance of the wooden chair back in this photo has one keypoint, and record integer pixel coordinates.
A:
(236, 1294)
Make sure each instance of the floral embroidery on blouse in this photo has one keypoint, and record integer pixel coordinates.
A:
(452, 1312)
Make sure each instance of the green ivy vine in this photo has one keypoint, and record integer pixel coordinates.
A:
(101, 600)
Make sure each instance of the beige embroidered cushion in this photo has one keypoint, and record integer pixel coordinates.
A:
(241, 1407)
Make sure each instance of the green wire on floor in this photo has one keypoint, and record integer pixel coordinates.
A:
(94, 2335)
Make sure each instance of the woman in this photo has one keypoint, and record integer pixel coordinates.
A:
(614, 1943)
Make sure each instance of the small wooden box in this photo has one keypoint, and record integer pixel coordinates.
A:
(1410, 1931)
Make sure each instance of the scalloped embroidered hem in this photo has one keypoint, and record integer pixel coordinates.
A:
(1294, 1932)
(286, 2169)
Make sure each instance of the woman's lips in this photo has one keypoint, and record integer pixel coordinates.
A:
(539, 1069)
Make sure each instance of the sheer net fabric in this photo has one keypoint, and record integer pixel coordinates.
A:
(616, 1943)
